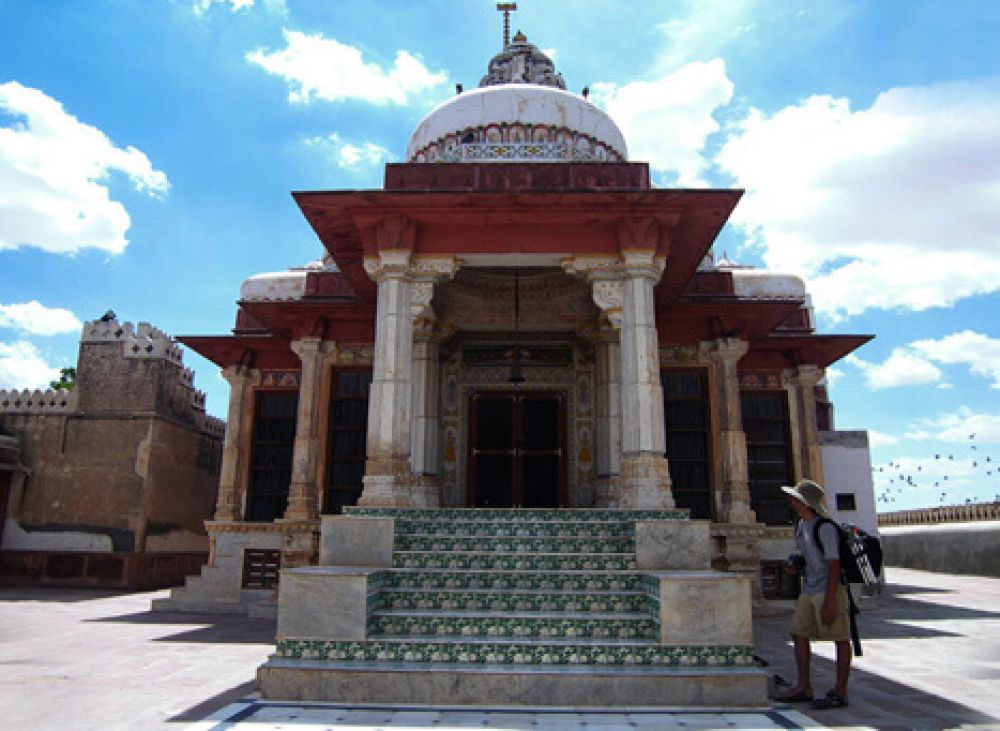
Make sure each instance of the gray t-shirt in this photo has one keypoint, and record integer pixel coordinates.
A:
(817, 568)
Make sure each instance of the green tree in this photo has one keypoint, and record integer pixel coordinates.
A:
(67, 379)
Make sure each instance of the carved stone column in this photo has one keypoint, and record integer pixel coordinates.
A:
(304, 490)
(811, 453)
(623, 289)
(645, 479)
(734, 493)
(424, 431)
(609, 416)
(387, 472)
(405, 288)
(229, 503)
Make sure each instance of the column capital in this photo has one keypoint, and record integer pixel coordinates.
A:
(402, 264)
(809, 375)
(725, 349)
(234, 374)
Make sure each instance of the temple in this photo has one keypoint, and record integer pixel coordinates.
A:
(518, 331)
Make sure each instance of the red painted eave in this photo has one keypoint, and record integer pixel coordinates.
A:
(328, 318)
(706, 318)
(790, 351)
(255, 351)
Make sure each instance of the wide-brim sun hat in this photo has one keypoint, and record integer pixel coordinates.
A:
(808, 492)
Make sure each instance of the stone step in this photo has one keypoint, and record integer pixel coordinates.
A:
(514, 686)
(589, 580)
(514, 600)
(514, 544)
(540, 625)
(474, 560)
(575, 515)
(498, 528)
(515, 651)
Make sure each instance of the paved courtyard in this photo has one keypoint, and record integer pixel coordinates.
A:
(79, 659)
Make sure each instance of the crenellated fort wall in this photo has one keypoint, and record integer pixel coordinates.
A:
(125, 463)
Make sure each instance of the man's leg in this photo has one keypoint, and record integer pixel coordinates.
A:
(843, 667)
(803, 688)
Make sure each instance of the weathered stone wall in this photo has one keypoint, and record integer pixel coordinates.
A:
(127, 461)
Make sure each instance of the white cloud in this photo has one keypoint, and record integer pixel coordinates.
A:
(701, 29)
(34, 318)
(316, 67)
(350, 156)
(979, 352)
(667, 120)
(53, 173)
(22, 366)
(896, 206)
(957, 428)
(203, 6)
(901, 368)
(880, 439)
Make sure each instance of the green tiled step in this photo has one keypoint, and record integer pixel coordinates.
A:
(514, 561)
(511, 544)
(503, 580)
(520, 528)
(497, 652)
(445, 515)
(514, 600)
(522, 624)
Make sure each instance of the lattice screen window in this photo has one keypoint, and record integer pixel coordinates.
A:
(685, 417)
(271, 454)
(769, 454)
(346, 449)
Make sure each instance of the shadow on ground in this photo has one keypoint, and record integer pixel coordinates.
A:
(877, 699)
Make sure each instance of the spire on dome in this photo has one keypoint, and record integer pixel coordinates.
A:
(521, 62)
(506, 9)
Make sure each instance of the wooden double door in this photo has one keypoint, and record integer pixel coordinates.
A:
(517, 450)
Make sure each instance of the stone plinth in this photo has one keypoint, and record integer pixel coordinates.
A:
(705, 608)
(673, 544)
(323, 603)
(348, 541)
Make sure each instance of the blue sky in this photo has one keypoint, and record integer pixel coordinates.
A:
(148, 148)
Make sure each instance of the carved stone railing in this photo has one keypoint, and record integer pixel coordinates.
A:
(944, 514)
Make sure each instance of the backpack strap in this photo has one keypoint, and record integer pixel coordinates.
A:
(819, 542)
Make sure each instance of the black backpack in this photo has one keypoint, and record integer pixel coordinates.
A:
(860, 553)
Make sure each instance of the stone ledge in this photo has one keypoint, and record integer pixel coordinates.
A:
(544, 687)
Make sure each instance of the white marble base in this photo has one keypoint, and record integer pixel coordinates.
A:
(305, 680)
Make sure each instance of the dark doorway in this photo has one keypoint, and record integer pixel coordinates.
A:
(517, 450)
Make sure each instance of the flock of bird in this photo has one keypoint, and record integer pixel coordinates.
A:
(984, 468)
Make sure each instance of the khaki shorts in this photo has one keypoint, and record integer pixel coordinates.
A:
(807, 623)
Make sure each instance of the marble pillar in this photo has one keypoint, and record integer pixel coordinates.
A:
(733, 504)
(811, 452)
(405, 289)
(645, 479)
(388, 473)
(622, 288)
(609, 415)
(424, 429)
(229, 503)
(305, 488)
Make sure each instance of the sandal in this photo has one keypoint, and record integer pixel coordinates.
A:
(833, 699)
(800, 696)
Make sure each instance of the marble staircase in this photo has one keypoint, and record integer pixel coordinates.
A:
(514, 607)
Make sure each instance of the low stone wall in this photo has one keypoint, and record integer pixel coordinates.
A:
(953, 548)
(104, 570)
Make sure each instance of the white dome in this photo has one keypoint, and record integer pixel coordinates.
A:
(516, 122)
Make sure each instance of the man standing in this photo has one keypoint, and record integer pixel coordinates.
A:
(822, 611)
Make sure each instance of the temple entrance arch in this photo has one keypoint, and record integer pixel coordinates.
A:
(517, 449)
